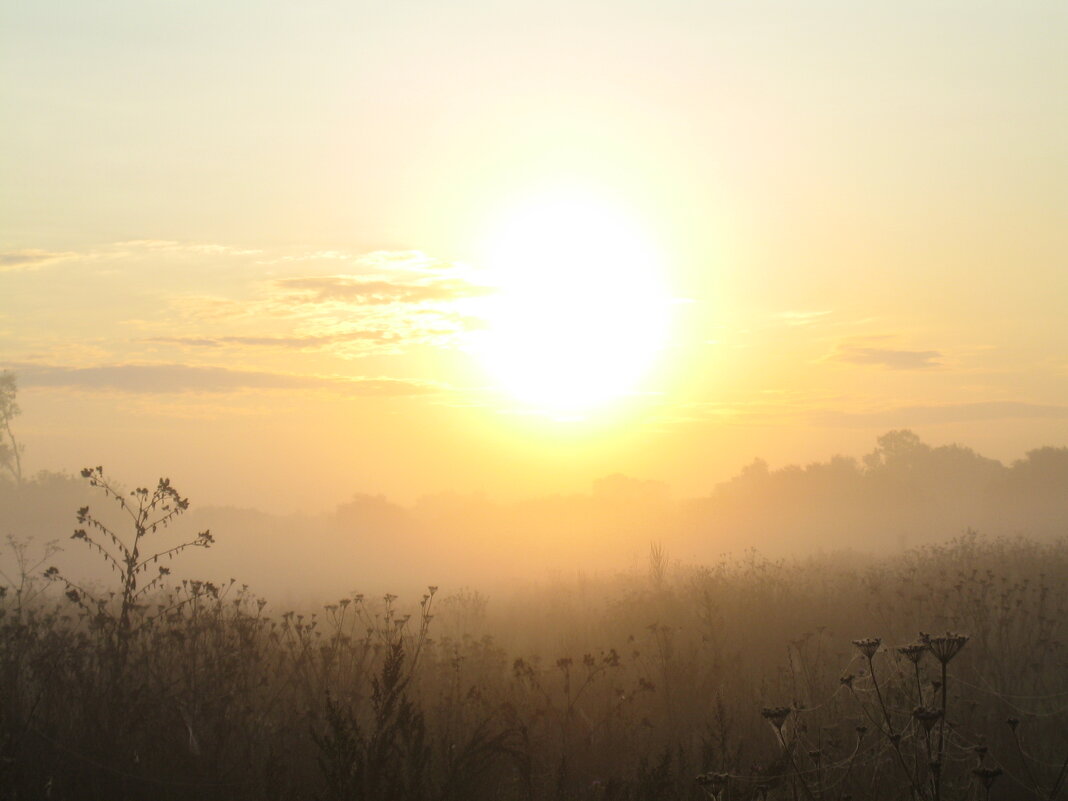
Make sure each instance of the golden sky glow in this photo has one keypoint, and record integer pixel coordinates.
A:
(284, 252)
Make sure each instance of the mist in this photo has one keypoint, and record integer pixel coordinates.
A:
(619, 633)
(556, 401)
(902, 494)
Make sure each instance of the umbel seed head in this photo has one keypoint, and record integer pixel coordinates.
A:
(926, 716)
(986, 775)
(913, 651)
(715, 782)
(868, 646)
(944, 646)
(776, 715)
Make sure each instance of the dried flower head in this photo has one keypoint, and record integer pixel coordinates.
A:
(945, 646)
(927, 716)
(713, 782)
(986, 775)
(776, 715)
(868, 646)
(913, 651)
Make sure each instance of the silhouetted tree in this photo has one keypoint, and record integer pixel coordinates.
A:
(897, 452)
(10, 448)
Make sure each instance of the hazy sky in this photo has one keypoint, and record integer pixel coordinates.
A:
(281, 251)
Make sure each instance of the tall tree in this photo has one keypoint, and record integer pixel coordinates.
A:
(10, 449)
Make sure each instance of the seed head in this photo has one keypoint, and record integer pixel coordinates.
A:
(986, 775)
(713, 782)
(776, 715)
(945, 646)
(927, 716)
(868, 646)
(913, 651)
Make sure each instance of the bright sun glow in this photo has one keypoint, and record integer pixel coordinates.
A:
(581, 310)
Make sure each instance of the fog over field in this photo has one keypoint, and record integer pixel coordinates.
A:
(902, 494)
(797, 632)
(514, 400)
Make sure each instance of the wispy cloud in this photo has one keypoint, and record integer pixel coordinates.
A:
(31, 259)
(390, 261)
(867, 351)
(297, 342)
(180, 378)
(350, 306)
(34, 258)
(801, 317)
(906, 416)
(313, 255)
(354, 290)
(174, 246)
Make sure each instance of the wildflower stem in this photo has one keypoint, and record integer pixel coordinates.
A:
(942, 728)
(895, 741)
(849, 768)
(789, 751)
(1026, 762)
(879, 695)
(1056, 789)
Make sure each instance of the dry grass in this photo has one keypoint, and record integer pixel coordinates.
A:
(802, 679)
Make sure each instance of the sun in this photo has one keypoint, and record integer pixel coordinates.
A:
(580, 307)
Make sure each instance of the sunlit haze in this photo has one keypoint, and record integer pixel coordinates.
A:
(581, 307)
(498, 400)
(285, 254)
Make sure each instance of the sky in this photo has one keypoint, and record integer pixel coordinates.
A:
(287, 252)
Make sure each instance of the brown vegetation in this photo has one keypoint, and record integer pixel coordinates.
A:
(732, 681)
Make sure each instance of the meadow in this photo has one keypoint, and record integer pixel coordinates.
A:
(581, 400)
(935, 673)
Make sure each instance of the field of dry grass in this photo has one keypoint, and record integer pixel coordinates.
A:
(935, 674)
